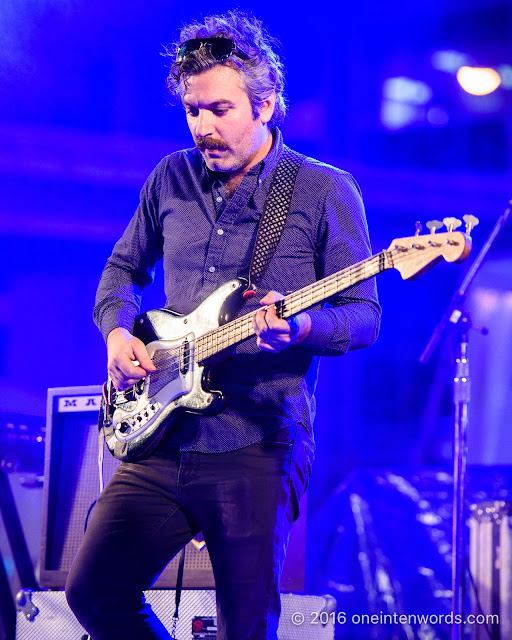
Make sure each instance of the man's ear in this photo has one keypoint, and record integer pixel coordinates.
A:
(267, 108)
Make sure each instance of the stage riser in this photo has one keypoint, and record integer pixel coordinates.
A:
(54, 620)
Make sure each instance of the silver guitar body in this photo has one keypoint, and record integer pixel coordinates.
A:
(135, 420)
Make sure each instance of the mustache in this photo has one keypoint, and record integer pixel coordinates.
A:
(211, 143)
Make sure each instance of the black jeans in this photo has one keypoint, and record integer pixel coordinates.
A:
(243, 501)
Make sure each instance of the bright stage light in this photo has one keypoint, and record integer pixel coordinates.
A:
(478, 81)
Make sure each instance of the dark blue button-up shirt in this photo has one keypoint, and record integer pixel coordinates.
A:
(205, 240)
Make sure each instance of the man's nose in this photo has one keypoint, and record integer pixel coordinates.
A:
(204, 123)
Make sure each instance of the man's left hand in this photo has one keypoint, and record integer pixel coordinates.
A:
(275, 334)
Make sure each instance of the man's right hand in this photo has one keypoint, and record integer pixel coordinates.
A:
(123, 350)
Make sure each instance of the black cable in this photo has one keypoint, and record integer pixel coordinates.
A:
(88, 515)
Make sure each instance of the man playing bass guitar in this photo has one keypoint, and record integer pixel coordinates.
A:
(237, 474)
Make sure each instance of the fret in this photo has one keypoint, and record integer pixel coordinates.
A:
(240, 329)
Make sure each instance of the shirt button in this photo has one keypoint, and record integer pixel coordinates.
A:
(219, 198)
(211, 269)
(220, 232)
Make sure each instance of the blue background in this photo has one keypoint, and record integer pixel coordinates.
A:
(84, 118)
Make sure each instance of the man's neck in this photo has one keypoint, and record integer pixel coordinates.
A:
(232, 180)
(231, 184)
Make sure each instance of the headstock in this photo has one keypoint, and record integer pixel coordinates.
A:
(417, 254)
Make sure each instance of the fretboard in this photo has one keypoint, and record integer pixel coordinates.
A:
(240, 329)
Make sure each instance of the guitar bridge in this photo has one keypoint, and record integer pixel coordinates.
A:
(126, 399)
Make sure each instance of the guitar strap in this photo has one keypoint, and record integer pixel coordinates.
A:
(273, 218)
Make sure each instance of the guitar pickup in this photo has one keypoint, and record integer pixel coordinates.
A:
(185, 357)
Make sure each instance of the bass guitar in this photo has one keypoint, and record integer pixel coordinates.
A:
(181, 347)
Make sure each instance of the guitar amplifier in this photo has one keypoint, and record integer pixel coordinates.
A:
(45, 615)
(71, 486)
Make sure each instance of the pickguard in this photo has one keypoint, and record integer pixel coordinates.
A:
(136, 419)
(174, 377)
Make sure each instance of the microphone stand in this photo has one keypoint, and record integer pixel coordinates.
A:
(461, 320)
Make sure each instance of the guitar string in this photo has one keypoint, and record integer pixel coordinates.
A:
(386, 260)
(238, 325)
(287, 308)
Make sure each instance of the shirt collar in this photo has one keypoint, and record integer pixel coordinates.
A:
(274, 155)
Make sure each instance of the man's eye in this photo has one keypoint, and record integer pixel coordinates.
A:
(192, 112)
(220, 112)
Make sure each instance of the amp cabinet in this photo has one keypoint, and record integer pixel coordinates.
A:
(71, 487)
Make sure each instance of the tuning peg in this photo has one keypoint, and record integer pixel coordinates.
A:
(434, 225)
(452, 223)
(471, 222)
(419, 228)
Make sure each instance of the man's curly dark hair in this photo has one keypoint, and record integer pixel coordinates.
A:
(262, 72)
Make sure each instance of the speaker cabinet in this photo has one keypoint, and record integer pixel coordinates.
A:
(71, 488)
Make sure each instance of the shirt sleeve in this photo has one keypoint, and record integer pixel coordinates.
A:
(130, 268)
(351, 319)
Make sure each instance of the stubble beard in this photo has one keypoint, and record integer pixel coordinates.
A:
(216, 164)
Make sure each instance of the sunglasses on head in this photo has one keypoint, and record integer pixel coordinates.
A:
(219, 48)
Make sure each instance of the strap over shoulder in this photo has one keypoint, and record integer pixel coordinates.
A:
(274, 216)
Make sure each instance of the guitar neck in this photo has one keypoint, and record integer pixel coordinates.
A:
(238, 330)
